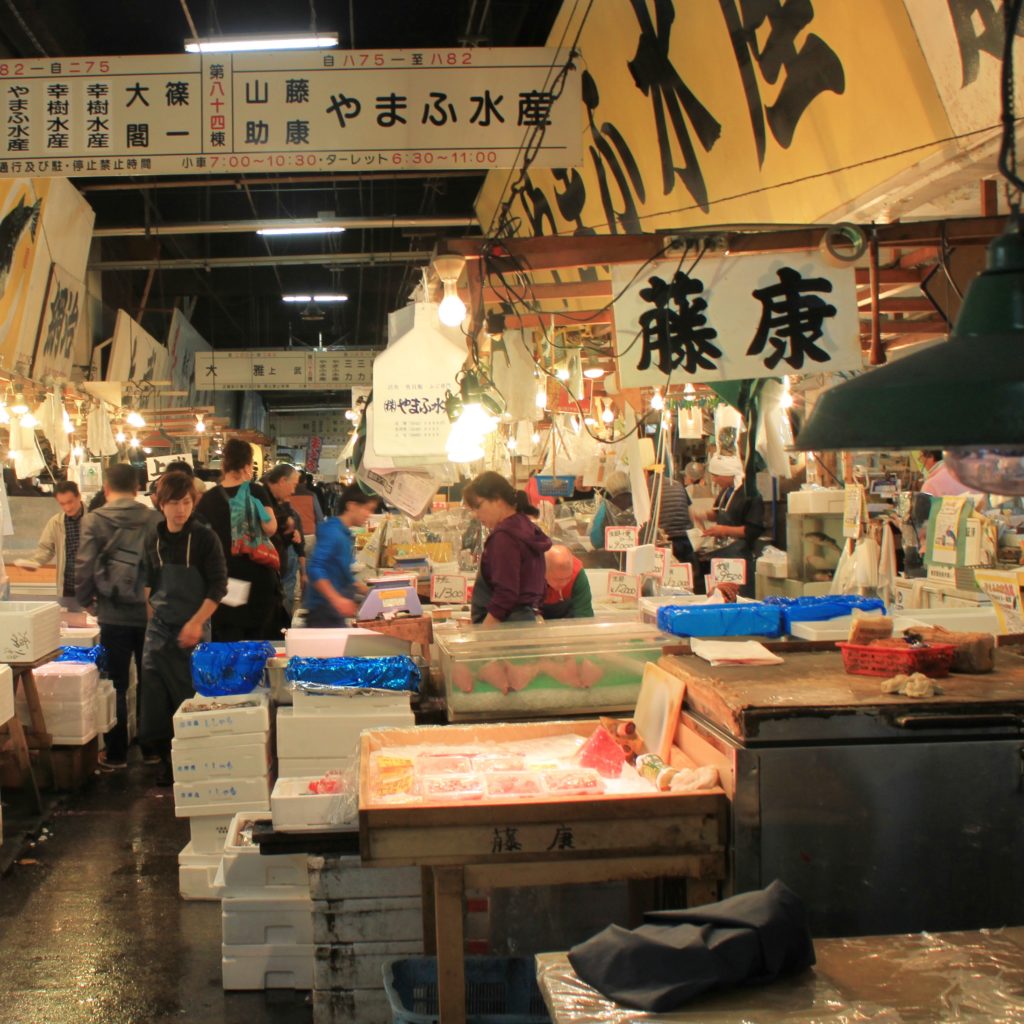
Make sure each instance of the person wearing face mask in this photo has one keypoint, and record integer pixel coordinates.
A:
(510, 585)
(735, 520)
(330, 593)
(186, 579)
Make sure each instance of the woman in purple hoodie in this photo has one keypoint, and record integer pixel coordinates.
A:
(510, 584)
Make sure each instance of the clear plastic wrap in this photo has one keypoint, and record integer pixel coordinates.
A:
(397, 673)
(952, 977)
(228, 670)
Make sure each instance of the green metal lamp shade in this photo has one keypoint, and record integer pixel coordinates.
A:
(967, 392)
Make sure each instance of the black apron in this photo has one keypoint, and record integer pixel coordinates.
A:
(731, 507)
(482, 594)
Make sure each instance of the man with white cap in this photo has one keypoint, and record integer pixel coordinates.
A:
(736, 519)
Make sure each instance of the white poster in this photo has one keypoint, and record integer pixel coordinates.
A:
(135, 354)
(411, 493)
(293, 111)
(62, 323)
(733, 318)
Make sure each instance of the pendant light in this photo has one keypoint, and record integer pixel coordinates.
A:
(964, 395)
(451, 310)
(19, 406)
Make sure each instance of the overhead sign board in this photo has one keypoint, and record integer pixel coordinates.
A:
(360, 110)
(283, 370)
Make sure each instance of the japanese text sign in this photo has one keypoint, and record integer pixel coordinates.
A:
(448, 589)
(734, 318)
(621, 538)
(661, 562)
(728, 570)
(157, 464)
(296, 111)
(624, 586)
(282, 370)
(60, 325)
(678, 577)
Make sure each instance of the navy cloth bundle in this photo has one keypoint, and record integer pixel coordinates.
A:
(396, 672)
(748, 939)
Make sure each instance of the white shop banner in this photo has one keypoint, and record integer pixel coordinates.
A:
(283, 370)
(345, 110)
(185, 347)
(63, 320)
(135, 354)
(733, 318)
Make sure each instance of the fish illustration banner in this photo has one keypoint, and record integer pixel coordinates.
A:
(64, 320)
(135, 354)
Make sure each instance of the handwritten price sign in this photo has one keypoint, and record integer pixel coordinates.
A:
(624, 586)
(678, 577)
(621, 538)
(661, 561)
(728, 570)
(447, 589)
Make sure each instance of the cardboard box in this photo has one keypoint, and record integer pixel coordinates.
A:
(209, 833)
(347, 878)
(312, 767)
(66, 681)
(821, 502)
(246, 871)
(197, 874)
(330, 735)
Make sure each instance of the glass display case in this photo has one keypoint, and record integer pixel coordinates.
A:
(581, 666)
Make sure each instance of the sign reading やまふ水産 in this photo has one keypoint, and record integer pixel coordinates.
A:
(359, 110)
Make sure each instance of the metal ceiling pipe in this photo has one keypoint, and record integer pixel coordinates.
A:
(223, 227)
(368, 259)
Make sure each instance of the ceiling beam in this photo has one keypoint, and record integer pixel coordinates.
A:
(223, 227)
(367, 259)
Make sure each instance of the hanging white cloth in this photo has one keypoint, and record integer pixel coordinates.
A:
(99, 435)
(51, 422)
(28, 459)
(774, 431)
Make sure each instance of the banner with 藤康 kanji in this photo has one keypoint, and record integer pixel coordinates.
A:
(734, 317)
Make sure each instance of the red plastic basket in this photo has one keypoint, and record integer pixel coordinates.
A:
(888, 660)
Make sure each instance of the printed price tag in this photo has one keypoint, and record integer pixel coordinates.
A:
(621, 538)
(624, 586)
(661, 561)
(445, 589)
(728, 570)
(678, 577)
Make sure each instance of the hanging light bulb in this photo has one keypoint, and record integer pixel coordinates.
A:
(69, 427)
(134, 419)
(608, 414)
(451, 310)
(590, 421)
(541, 398)
(594, 370)
(77, 452)
(350, 415)
(134, 442)
(562, 373)
(657, 401)
(689, 392)
(786, 401)
(465, 439)
(19, 406)
(512, 444)
(28, 421)
(535, 437)
(200, 423)
(120, 437)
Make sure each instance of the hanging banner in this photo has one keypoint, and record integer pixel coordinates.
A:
(62, 322)
(135, 354)
(283, 370)
(359, 110)
(734, 318)
(313, 454)
(156, 465)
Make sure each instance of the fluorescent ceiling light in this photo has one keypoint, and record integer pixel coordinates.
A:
(327, 229)
(296, 298)
(236, 44)
(334, 297)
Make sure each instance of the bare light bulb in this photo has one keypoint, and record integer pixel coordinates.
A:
(786, 401)
(657, 401)
(28, 421)
(120, 437)
(200, 424)
(608, 416)
(134, 419)
(562, 373)
(689, 392)
(19, 406)
(77, 452)
(134, 442)
(590, 421)
(451, 310)
(512, 444)
(541, 398)
(535, 437)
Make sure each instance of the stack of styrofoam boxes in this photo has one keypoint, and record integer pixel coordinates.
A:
(361, 917)
(106, 696)
(69, 696)
(267, 914)
(221, 762)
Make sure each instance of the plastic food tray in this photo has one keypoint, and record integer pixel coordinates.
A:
(883, 660)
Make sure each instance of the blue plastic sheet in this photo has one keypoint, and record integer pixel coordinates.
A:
(85, 656)
(322, 675)
(228, 670)
(821, 609)
(747, 619)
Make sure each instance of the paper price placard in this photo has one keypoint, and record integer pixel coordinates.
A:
(447, 589)
(621, 538)
(623, 586)
(728, 570)
(661, 561)
(678, 577)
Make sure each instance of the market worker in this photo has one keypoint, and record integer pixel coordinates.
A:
(615, 509)
(186, 577)
(330, 592)
(939, 482)
(568, 589)
(510, 584)
(735, 519)
(59, 540)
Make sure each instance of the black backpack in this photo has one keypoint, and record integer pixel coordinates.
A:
(119, 566)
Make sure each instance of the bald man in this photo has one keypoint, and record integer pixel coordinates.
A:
(568, 590)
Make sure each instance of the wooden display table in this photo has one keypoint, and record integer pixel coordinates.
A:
(535, 842)
(17, 743)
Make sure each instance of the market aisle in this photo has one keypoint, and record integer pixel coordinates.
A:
(94, 930)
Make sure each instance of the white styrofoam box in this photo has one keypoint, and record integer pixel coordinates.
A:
(197, 875)
(335, 735)
(254, 968)
(352, 1006)
(6, 694)
(295, 809)
(29, 630)
(358, 964)
(312, 767)
(220, 756)
(273, 921)
(66, 680)
(209, 833)
(68, 722)
(598, 580)
(79, 636)
(220, 796)
(106, 706)
(336, 643)
(246, 869)
(350, 702)
(347, 878)
(823, 501)
(245, 714)
(391, 919)
(970, 619)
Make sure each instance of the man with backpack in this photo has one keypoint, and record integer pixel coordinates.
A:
(110, 581)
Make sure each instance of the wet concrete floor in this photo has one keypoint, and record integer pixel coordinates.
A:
(93, 931)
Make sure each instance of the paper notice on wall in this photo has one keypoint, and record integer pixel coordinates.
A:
(1002, 588)
(411, 493)
(947, 521)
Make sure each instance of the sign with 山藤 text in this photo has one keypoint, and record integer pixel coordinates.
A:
(362, 110)
(733, 318)
(282, 370)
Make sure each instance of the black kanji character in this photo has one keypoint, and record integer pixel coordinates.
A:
(257, 92)
(680, 336)
(137, 135)
(967, 16)
(177, 94)
(809, 71)
(486, 107)
(296, 133)
(136, 93)
(296, 90)
(535, 108)
(257, 133)
(791, 319)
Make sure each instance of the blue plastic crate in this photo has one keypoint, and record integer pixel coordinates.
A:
(556, 486)
(499, 990)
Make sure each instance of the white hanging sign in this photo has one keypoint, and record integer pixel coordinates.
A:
(282, 370)
(733, 318)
